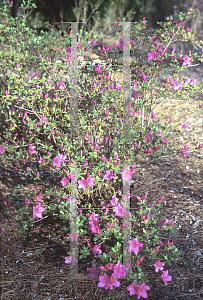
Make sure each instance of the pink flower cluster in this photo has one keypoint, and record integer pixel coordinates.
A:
(183, 153)
(38, 210)
(120, 271)
(94, 223)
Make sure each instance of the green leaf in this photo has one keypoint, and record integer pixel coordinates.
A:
(139, 269)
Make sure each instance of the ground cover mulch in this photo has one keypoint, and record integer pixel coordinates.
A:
(33, 267)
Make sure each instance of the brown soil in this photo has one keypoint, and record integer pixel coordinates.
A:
(32, 266)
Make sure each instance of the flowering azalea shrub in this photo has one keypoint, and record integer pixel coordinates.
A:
(37, 140)
(114, 270)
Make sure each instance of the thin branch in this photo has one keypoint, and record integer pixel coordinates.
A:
(28, 13)
(96, 8)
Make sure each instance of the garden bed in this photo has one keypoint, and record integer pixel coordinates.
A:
(33, 267)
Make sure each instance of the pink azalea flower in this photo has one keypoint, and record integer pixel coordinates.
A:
(160, 134)
(109, 175)
(162, 243)
(100, 174)
(1, 149)
(119, 191)
(114, 201)
(147, 139)
(79, 45)
(31, 149)
(134, 246)
(104, 281)
(97, 250)
(103, 205)
(38, 210)
(38, 198)
(118, 270)
(107, 282)
(26, 115)
(142, 290)
(114, 282)
(153, 115)
(90, 180)
(113, 225)
(133, 289)
(138, 263)
(72, 200)
(183, 153)
(135, 144)
(169, 244)
(94, 43)
(127, 269)
(96, 147)
(62, 84)
(186, 59)
(58, 159)
(127, 174)
(118, 210)
(70, 259)
(82, 184)
(41, 161)
(165, 277)
(73, 236)
(162, 198)
(109, 266)
(94, 219)
(44, 120)
(200, 146)
(93, 273)
(145, 196)
(158, 266)
(87, 137)
(164, 221)
(184, 125)
(27, 201)
(64, 181)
